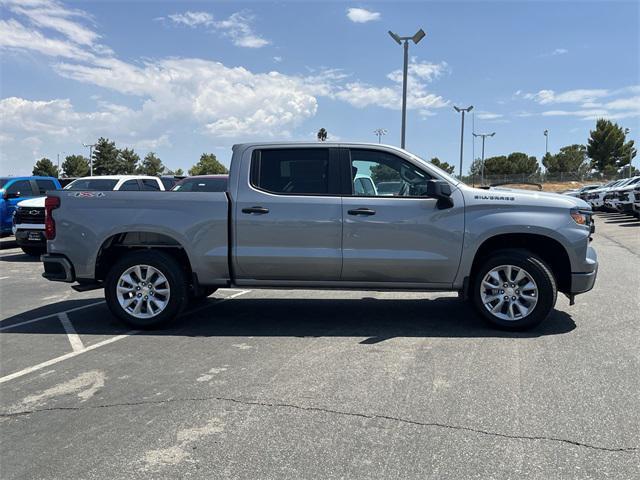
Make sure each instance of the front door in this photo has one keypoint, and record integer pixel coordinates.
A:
(289, 216)
(392, 232)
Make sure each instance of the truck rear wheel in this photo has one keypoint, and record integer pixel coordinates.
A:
(514, 290)
(146, 289)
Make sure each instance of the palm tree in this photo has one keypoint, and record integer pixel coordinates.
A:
(322, 135)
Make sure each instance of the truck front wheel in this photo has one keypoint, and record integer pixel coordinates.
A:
(514, 290)
(146, 289)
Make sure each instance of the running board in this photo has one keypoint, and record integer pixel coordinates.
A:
(86, 287)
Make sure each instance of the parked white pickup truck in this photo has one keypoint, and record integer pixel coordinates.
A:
(292, 217)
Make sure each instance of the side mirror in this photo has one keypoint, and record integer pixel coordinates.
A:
(8, 195)
(440, 190)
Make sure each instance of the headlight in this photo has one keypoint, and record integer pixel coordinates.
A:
(581, 217)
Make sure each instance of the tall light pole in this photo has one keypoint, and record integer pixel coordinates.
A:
(419, 35)
(483, 135)
(58, 156)
(546, 143)
(379, 132)
(626, 132)
(463, 111)
(90, 146)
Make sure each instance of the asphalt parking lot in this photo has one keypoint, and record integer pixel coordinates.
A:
(322, 384)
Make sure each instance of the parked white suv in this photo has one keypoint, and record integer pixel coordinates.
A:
(35, 243)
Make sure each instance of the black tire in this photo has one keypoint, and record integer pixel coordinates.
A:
(202, 293)
(172, 271)
(34, 251)
(542, 275)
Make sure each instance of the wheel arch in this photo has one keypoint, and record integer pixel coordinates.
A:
(117, 244)
(551, 251)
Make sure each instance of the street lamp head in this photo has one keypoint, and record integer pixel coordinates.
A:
(492, 134)
(457, 109)
(396, 37)
(626, 131)
(470, 108)
(419, 35)
(546, 133)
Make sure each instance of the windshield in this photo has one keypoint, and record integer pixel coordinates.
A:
(202, 185)
(92, 184)
(442, 173)
(3, 181)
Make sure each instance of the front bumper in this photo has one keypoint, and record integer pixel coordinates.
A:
(582, 282)
(57, 268)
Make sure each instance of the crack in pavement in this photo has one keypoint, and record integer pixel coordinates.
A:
(372, 416)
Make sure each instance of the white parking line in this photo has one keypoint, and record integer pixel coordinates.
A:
(74, 338)
(76, 343)
(3, 278)
(53, 361)
(26, 322)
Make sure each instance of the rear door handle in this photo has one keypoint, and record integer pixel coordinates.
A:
(258, 210)
(362, 211)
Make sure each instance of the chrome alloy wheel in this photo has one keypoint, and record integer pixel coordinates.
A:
(509, 292)
(143, 291)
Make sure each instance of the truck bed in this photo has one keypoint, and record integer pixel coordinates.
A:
(196, 221)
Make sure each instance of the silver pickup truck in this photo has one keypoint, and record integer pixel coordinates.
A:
(292, 218)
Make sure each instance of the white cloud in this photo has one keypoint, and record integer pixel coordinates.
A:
(277, 59)
(544, 97)
(15, 36)
(590, 103)
(556, 52)
(362, 15)
(362, 95)
(488, 115)
(192, 19)
(237, 27)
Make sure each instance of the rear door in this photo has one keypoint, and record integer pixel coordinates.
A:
(289, 216)
(397, 234)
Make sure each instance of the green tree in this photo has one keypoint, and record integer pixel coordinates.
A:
(443, 165)
(572, 158)
(383, 173)
(105, 158)
(151, 165)
(45, 168)
(516, 163)
(208, 165)
(607, 149)
(128, 161)
(322, 135)
(522, 163)
(178, 172)
(75, 166)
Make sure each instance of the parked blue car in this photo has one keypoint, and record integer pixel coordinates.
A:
(16, 189)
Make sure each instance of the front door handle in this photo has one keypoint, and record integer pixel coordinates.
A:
(362, 211)
(258, 210)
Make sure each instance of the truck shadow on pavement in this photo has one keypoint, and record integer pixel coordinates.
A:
(375, 320)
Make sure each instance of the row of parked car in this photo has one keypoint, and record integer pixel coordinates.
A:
(617, 196)
(22, 208)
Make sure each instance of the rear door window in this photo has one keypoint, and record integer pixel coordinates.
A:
(44, 185)
(130, 185)
(292, 171)
(149, 184)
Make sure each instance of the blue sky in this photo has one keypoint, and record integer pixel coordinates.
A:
(182, 78)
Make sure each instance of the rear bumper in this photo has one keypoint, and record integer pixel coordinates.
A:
(57, 268)
(582, 282)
